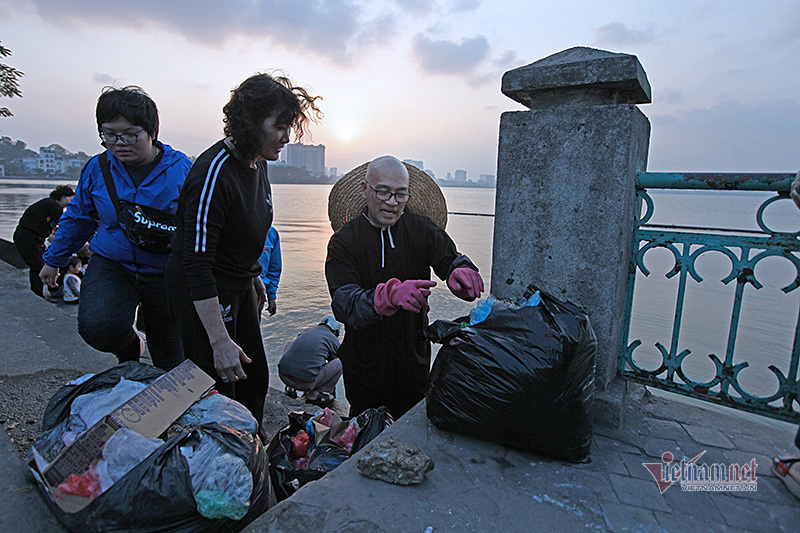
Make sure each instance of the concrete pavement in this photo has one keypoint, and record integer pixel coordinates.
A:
(476, 485)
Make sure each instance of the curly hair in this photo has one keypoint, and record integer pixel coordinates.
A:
(256, 99)
(131, 103)
(61, 191)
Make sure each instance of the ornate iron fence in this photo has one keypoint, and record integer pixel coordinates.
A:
(744, 249)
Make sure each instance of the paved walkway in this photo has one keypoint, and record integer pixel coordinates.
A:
(476, 485)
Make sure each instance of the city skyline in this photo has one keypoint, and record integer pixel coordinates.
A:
(418, 80)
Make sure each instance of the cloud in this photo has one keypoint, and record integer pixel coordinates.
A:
(460, 6)
(617, 33)
(669, 96)
(102, 77)
(506, 60)
(729, 137)
(449, 57)
(336, 29)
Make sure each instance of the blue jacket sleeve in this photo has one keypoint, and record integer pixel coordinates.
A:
(271, 263)
(77, 225)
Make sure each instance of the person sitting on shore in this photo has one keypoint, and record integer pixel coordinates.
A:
(309, 363)
(35, 226)
(72, 281)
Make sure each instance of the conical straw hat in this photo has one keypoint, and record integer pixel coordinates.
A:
(346, 203)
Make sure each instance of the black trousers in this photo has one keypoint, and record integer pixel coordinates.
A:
(242, 320)
(31, 248)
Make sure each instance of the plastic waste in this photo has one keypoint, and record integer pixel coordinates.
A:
(219, 409)
(482, 310)
(289, 472)
(123, 451)
(347, 438)
(222, 483)
(86, 485)
(91, 408)
(523, 377)
(161, 487)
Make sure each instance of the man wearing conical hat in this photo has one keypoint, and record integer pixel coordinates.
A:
(378, 271)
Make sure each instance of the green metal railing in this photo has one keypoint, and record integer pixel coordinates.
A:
(744, 249)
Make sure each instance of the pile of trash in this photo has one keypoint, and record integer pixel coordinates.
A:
(311, 446)
(207, 471)
(519, 372)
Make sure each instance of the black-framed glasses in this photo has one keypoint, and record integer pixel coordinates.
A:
(126, 138)
(385, 196)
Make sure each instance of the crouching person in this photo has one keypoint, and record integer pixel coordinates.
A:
(309, 363)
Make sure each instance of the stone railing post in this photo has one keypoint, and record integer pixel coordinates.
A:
(566, 190)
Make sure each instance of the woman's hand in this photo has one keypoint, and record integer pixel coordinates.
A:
(228, 356)
(49, 274)
(228, 359)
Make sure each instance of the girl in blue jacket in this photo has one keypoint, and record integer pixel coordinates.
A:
(120, 275)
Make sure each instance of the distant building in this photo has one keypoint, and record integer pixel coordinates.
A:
(487, 180)
(449, 177)
(430, 173)
(308, 156)
(461, 175)
(419, 164)
(53, 160)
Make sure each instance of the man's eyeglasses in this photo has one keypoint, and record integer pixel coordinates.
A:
(385, 196)
(126, 138)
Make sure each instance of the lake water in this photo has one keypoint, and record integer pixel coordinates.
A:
(769, 317)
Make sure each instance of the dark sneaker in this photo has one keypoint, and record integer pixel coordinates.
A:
(290, 392)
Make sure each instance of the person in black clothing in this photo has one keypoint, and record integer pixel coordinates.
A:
(35, 225)
(378, 270)
(224, 212)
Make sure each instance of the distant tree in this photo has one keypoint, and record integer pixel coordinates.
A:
(59, 150)
(9, 84)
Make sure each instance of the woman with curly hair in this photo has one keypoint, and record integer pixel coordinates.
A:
(225, 212)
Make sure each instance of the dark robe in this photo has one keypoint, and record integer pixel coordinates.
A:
(385, 360)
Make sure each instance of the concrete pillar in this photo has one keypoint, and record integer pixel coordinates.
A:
(566, 193)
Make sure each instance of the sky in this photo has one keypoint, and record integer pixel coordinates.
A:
(418, 79)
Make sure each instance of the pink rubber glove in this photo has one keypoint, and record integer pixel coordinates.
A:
(394, 295)
(465, 283)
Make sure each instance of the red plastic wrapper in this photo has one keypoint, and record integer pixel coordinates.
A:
(300, 444)
(86, 484)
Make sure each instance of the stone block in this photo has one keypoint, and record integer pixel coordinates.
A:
(564, 211)
(579, 76)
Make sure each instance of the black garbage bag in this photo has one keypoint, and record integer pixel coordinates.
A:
(56, 415)
(288, 474)
(157, 494)
(371, 422)
(523, 377)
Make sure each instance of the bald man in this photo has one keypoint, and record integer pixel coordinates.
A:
(378, 271)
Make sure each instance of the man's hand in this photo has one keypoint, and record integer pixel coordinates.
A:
(272, 306)
(465, 283)
(49, 274)
(411, 295)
